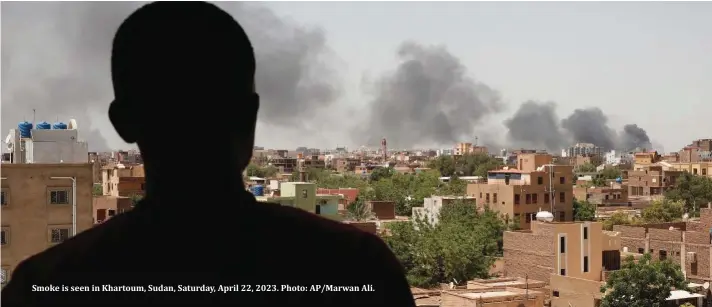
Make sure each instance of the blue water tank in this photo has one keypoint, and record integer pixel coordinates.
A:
(43, 126)
(258, 190)
(59, 126)
(25, 129)
(619, 180)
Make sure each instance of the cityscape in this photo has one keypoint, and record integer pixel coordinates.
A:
(535, 228)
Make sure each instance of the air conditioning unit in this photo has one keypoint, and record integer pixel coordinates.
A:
(691, 257)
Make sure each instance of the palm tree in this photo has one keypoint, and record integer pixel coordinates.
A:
(358, 211)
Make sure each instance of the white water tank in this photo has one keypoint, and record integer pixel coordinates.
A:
(544, 216)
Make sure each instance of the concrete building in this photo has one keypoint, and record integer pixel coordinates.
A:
(584, 149)
(349, 195)
(106, 206)
(303, 195)
(573, 257)
(651, 181)
(642, 160)
(430, 211)
(492, 297)
(685, 243)
(122, 180)
(520, 193)
(603, 196)
(45, 145)
(37, 207)
(468, 148)
(695, 168)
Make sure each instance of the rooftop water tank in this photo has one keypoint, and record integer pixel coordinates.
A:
(544, 216)
(59, 126)
(25, 129)
(619, 180)
(257, 190)
(43, 126)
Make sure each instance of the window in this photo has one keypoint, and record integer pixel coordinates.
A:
(528, 199)
(3, 237)
(562, 180)
(59, 197)
(535, 198)
(143, 187)
(487, 199)
(562, 245)
(540, 180)
(3, 198)
(585, 233)
(563, 272)
(3, 276)
(585, 264)
(663, 254)
(59, 235)
(529, 218)
(562, 216)
(318, 209)
(693, 268)
(111, 212)
(641, 251)
(555, 293)
(480, 194)
(704, 172)
(546, 198)
(494, 198)
(562, 197)
(516, 199)
(611, 260)
(304, 194)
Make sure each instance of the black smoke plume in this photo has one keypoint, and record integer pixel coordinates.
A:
(429, 99)
(55, 59)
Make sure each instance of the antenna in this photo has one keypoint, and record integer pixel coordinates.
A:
(34, 113)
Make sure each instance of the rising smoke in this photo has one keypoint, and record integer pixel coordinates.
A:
(55, 59)
(536, 124)
(429, 99)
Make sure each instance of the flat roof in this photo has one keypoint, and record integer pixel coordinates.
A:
(681, 295)
(488, 294)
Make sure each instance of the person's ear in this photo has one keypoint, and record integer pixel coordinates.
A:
(121, 120)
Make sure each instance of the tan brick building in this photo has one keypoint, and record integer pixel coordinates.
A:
(535, 185)
(573, 257)
(603, 196)
(685, 243)
(651, 181)
(120, 180)
(37, 207)
(106, 206)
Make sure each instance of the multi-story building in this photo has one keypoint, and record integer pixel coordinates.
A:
(652, 181)
(42, 207)
(45, 143)
(573, 257)
(122, 180)
(349, 195)
(468, 148)
(303, 195)
(584, 149)
(535, 185)
(642, 160)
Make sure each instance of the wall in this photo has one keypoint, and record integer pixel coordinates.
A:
(527, 254)
(102, 204)
(28, 215)
(369, 227)
(384, 210)
(574, 291)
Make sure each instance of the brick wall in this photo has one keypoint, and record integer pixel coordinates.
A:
(703, 261)
(369, 227)
(706, 218)
(630, 231)
(527, 254)
(696, 226)
(384, 210)
(665, 235)
(694, 237)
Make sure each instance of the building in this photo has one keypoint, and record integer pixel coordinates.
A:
(574, 258)
(584, 149)
(520, 193)
(492, 297)
(58, 143)
(652, 181)
(430, 211)
(382, 209)
(642, 160)
(106, 206)
(685, 243)
(37, 205)
(349, 195)
(603, 196)
(122, 180)
(303, 195)
(695, 168)
(468, 148)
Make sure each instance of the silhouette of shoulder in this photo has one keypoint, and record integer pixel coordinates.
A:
(249, 242)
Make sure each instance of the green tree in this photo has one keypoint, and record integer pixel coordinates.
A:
(663, 211)
(455, 186)
(382, 172)
(642, 283)
(618, 218)
(254, 170)
(608, 173)
(584, 211)
(358, 211)
(135, 199)
(693, 191)
(445, 165)
(461, 246)
(465, 165)
(97, 190)
(585, 168)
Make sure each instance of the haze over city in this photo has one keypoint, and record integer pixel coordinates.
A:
(537, 75)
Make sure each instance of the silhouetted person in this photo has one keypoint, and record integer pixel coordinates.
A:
(183, 75)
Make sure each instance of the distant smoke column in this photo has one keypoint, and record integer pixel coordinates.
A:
(384, 148)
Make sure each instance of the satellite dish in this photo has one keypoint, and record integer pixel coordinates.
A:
(706, 285)
(685, 216)
(671, 228)
(72, 124)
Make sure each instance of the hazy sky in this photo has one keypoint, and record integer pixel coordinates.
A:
(643, 63)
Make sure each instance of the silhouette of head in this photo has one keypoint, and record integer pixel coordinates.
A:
(175, 66)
